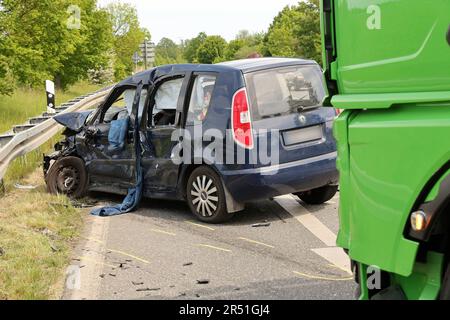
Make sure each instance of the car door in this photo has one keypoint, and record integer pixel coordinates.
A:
(109, 166)
(163, 117)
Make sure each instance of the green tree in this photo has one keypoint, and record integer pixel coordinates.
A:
(245, 45)
(168, 52)
(192, 46)
(36, 40)
(128, 35)
(233, 47)
(212, 50)
(295, 32)
(93, 47)
(39, 42)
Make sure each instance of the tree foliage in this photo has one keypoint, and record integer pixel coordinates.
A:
(192, 45)
(168, 52)
(295, 32)
(36, 42)
(212, 50)
(128, 35)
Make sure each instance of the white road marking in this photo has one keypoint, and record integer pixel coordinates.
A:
(94, 263)
(317, 277)
(310, 222)
(332, 254)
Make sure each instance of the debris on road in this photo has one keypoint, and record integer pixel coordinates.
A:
(84, 204)
(147, 289)
(137, 283)
(102, 276)
(23, 187)
(202, 281)
(261, 225)
(187, 264)
(113, 275)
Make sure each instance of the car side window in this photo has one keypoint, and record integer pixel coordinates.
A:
(166, 103)
(122, 105)
(201, 95)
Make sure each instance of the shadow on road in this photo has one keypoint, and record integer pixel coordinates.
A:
(261, 212)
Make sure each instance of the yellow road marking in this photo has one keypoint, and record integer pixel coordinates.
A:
(321, 277)
(163, 232)
(129, 255)
(200, 226)
(212, 247)
(256, 242)
(96, 262)
(118, 251)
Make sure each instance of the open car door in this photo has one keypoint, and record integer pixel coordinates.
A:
(108, 141)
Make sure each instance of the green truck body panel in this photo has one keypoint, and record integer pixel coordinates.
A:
(382, 176)
(387, 64)
(391, 46)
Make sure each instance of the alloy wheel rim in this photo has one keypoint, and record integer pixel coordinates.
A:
(205, 196)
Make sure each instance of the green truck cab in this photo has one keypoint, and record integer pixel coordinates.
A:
(387, 66)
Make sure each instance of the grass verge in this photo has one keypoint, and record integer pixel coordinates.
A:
(36, 235)
(27, 103)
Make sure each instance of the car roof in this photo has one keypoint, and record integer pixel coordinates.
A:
(251, 65)
(245, 66)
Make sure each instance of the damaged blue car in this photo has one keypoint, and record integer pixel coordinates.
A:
(217, 136)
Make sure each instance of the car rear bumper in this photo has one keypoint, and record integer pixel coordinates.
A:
(268, 182)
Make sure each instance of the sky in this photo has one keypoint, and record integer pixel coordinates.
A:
(180, 20)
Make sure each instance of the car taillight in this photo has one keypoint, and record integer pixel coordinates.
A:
(241, 120)
(338, 112)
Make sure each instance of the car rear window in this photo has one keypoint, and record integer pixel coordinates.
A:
(283, 91)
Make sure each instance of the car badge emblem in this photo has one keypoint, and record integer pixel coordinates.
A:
(302, 119)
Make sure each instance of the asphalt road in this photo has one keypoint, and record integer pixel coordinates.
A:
(162, 252)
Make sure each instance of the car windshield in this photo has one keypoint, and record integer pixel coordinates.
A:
(283, 91)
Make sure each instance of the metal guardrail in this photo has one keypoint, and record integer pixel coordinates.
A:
(28, 137)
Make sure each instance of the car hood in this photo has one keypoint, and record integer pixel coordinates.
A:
(74, 120)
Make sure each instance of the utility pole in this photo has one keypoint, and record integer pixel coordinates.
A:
(148, 53)
(136, 60)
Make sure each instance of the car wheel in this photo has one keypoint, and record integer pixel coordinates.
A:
(206, 196)
(318, 196)
(445, 290)
(68, 176)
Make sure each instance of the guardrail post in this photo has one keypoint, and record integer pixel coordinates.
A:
(50, 91)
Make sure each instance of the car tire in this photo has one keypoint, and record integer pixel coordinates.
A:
(68, 176)
(206, 196)
(445, 289)
(319, 195)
